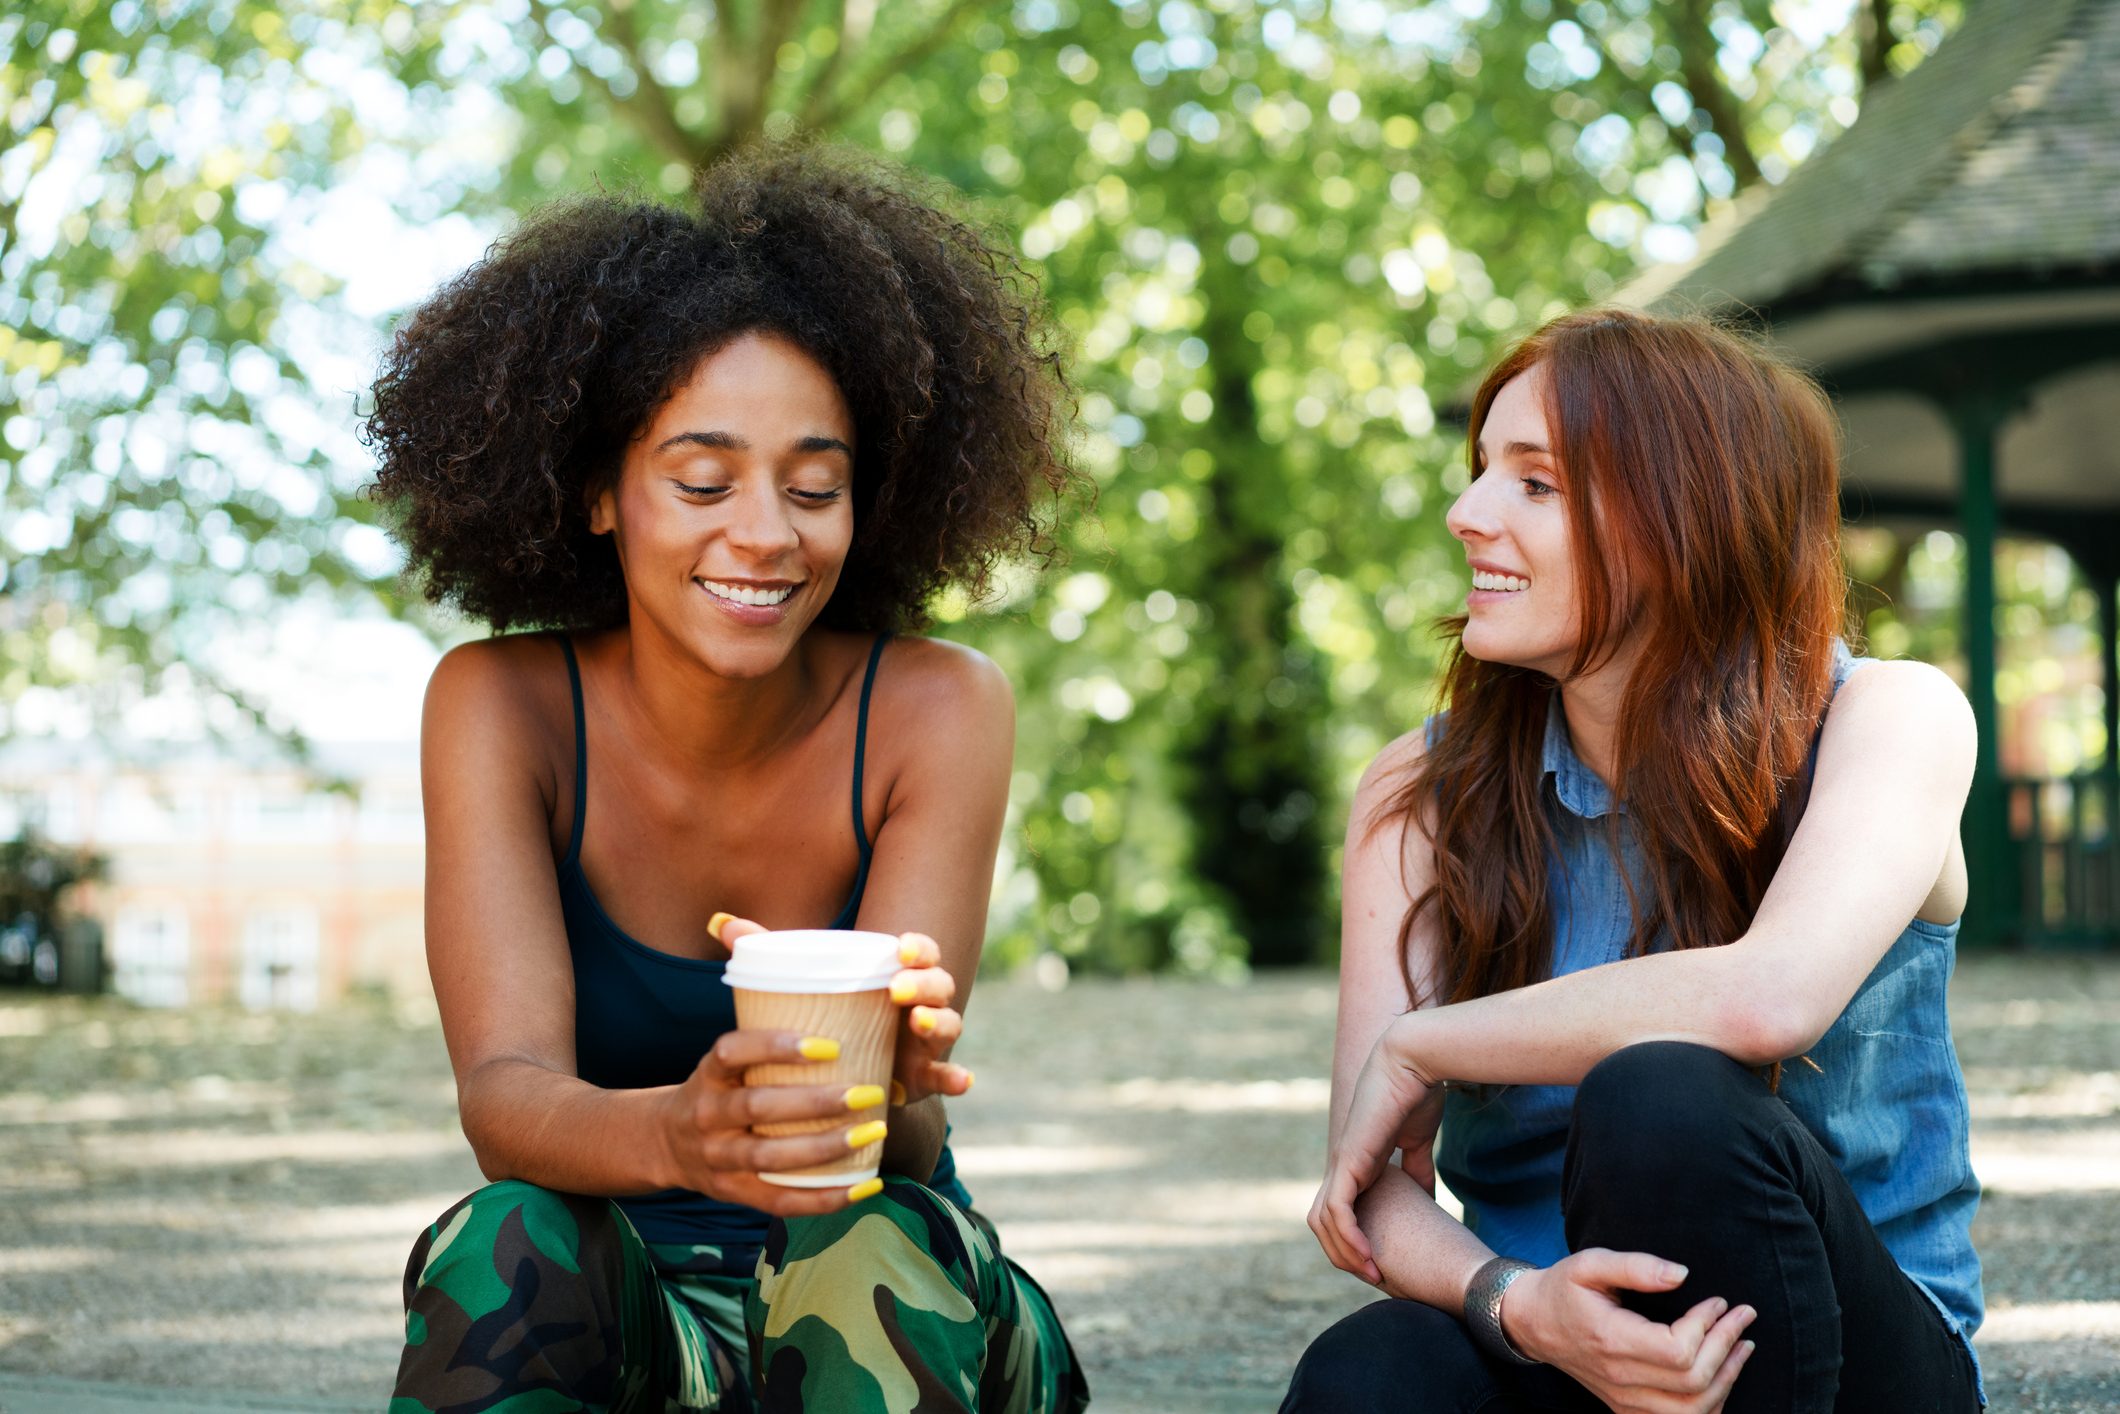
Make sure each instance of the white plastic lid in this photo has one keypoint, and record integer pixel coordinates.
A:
(813, 960)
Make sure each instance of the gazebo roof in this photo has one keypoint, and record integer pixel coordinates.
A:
(1959, 242)
(1995, 165)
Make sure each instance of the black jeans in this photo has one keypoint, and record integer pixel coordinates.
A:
(1677, 1150)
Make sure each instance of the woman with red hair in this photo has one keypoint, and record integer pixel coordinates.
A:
(1646, 937)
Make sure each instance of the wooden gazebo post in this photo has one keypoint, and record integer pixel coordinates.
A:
(1978, 420)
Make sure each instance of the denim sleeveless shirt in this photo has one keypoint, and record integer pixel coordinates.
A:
(1887, 1100)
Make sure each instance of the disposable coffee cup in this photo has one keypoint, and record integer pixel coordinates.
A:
(820, 982)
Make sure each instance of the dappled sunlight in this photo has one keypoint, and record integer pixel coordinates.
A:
(22, 1261)
(1300, 1095)
(1080, 1273)
(227, 1328)
(205, 1148)
(2049, 1094)
(1159, 1205)
(356, 1220)
(21, 1021)
(2043, 1012)
(1094, 1235)
(1285, 1202)
(2071, 1163)
(976, 1161)
(2051, 1320)
(199, 1099)
(328, 1260)
(1247, 1046)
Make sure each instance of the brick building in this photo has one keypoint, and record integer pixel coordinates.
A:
(236, 877)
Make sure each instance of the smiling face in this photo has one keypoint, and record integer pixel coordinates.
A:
(734, 509)
(1523, 607)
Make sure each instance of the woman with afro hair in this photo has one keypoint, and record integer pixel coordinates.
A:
(719, 460)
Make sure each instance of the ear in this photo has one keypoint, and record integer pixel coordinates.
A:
(603, 510)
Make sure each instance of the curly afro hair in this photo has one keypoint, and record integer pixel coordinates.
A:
(510, 397)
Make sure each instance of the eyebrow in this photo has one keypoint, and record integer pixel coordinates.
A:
(1519, 449)
(730, 442)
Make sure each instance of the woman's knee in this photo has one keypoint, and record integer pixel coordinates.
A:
(1662, 1098)
(1661, 1130)
(1388, 1355)
(508, 1232)
(899, 1290)
(907, 1233)
(516, 1288)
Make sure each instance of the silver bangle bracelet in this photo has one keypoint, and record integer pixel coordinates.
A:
(1483, 1308)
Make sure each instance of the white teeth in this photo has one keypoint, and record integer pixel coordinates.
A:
(1508, 583)
(743, 594)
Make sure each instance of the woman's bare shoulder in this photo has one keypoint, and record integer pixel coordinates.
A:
(497, 701)
(499, 677)
(1386, 776)
(1389, 767)
(1911, 707)
(943, 716)
(1386, 849)
(942, 689)
(939, 668)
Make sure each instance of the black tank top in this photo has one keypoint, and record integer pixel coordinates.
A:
(644, 1017)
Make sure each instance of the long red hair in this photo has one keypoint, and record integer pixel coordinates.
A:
(1704, 491)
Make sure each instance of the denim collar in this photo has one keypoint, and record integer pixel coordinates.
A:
(1578, 787)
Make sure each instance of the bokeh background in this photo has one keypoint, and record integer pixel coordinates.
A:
(1281, 240)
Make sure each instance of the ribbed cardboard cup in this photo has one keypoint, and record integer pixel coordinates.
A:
(820, 982)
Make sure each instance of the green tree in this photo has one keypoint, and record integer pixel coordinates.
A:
(164, 469)
(36, 879)
(1279, 236)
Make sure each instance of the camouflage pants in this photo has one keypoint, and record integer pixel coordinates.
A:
(520, 1300)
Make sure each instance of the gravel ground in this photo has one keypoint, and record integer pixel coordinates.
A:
(214, 1201)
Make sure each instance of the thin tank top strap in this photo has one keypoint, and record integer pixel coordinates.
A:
(861, 744)
(581, 753)
(848, 914)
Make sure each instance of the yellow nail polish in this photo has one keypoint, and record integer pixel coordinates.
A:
(868, 1188)
(864, 1097)
(897, 1093)
(863, 1135)
(968, 1079)
(925, 1023)
(903, 991)
(909, 953)
(819, 1048)
(718, 922)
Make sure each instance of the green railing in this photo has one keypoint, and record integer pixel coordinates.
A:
(2064, 887)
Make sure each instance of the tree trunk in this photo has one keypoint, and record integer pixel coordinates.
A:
(1252, 775)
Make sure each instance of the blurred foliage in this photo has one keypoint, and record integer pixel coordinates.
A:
(164, 467)
(2048, 681)
(37, 875)
(1278, 236)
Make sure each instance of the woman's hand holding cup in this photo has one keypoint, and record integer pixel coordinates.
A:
(930, 1025)
(883, 998)
(708, 1119)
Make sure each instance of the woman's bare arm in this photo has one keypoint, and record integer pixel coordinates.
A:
(951, 712)
(497, 948)
(1893, 769)
(1421, 1252)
